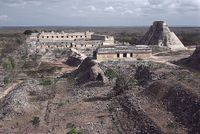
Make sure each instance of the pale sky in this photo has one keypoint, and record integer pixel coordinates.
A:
(98, 12)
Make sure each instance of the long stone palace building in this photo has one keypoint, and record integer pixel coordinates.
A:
(103, 46)
(76, 40)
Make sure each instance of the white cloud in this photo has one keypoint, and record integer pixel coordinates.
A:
(132, 10)
(21, 3)
(92, 8)
(109, 9)
(126, 12)
(3, 17)
(16, 4)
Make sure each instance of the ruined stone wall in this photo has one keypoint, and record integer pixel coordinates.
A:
(62, 37)
(121, 56)
(142, 55)
(105, 57)
(80, 45)
(107, 40)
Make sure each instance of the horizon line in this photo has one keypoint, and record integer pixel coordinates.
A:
(93, 26)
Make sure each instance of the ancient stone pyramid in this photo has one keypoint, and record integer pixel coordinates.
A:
(160, 34)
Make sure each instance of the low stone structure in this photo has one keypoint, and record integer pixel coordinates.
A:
(70, 44)
(107, 40)
(160, 34)
(122, 53)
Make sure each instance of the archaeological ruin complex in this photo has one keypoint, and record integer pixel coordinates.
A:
(103, 46)
(159, 34)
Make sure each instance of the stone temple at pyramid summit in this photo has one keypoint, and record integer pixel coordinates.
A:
(160, 34)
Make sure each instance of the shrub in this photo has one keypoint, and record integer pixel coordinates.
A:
(111, 74)
(172, 125)
(52, 69)
(6, 80)
(35, 57)
(8, 63)
(124, 83)
(70, 125)
(143, 74)
(32, 93)
(60, 104)
(74, 131)
(46, 82)
(12, 62)
(35, 121)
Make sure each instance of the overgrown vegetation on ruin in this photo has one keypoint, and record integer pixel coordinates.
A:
(143, 74)
(46, 82)
(124, 83)
(111, 73)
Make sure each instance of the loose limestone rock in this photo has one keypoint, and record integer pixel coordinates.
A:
(89, 70)
(160, 34)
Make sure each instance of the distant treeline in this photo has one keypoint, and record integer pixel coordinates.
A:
(132, 38)
(187, 38)
(29, 32)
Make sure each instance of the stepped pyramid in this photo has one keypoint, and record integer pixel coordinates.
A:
(160, 34)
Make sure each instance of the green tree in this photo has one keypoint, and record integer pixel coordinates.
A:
(9, 63)
(124, 83)
(28, 32)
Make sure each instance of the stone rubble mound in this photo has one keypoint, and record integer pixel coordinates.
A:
(178, 99)
(160, 34)
(89, 70)
(73, 61)
(194, 59)
(17, 102)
